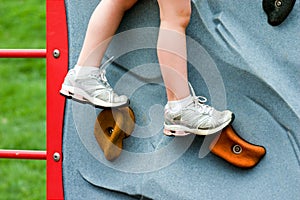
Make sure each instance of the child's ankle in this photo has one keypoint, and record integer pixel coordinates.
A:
(177, 105)
(84, 70)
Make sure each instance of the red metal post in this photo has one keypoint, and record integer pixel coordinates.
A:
(57, 66)
(22, 53)
(23, 154)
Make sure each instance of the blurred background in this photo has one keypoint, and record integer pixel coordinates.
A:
(22, 99)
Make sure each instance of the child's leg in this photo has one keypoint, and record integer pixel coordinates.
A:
(102, 26)
(171, 51)
(86, 82)
(184, 113)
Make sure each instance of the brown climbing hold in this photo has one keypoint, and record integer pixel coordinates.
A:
(111, 127)
(235, 150)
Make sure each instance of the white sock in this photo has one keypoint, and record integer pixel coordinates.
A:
(176, 106)
(84, 70)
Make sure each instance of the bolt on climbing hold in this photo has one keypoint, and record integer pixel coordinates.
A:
(278, 3)
(237, 149)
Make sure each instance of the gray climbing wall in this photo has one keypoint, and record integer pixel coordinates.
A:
(238, 61)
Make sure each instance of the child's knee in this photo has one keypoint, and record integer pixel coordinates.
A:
(183, 17)
(124, 4)
(178, 15)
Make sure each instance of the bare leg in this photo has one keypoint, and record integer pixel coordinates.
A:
(86, 82)
(102, 26)
(184, 114)
(171, 47)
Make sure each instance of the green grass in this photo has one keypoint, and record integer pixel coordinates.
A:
(22, 99)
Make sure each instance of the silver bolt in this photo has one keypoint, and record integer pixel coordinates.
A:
(237, 149)
(110, 130)
(278, 3)
(56, 53)
(56, 156)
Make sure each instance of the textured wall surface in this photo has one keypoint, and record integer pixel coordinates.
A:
(238, 61)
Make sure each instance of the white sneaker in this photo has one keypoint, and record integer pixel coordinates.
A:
(92, 87)
(196, 118)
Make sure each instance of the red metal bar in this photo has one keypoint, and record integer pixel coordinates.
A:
(57, 67)
(22, 53)
(23, 154)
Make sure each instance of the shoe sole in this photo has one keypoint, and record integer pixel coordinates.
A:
(177, 133)
(179, 130)
(82, 96)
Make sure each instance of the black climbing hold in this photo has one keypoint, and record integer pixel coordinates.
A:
(277, 10)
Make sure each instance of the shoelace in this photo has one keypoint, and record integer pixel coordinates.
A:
(102, 73)
(198, 102)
